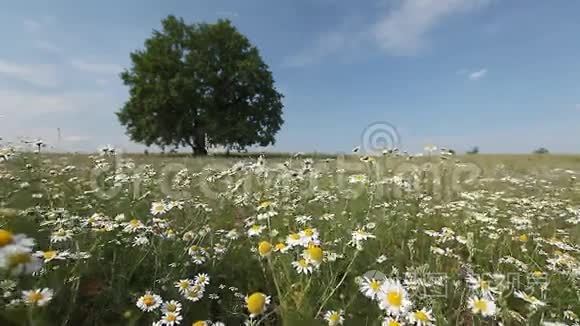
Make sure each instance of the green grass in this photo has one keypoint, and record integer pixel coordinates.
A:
(465, 213)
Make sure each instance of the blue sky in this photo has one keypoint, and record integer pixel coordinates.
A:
(500, 74)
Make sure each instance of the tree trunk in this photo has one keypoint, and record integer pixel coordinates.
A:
(199, 146)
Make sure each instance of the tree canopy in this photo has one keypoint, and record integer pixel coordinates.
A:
(200, 85)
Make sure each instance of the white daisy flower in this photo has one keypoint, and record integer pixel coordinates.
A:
(38, 297)
(194, 293)
(149, 301)
(171, 319)
(183, 285)
(61, 235)
(334, 318)
(421, 317)
(294, 239)
(171, 306)
(482, 306)
(158, 208)
(256, 230)
(394, 298)
(481, 285)
(390, 321)
(308, 235)
(50, 255)
(371, 288)
(19, 260)
(533, 301)
(201, 279)
(302, 266)
(257, 303)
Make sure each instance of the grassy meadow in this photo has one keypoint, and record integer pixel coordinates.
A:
(289, 240)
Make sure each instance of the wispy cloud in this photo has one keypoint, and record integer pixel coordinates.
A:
(31, 25)
(325, 45)
(29, 104)
(96, 68)
(37, 24)
(76, 138)
(47, 46)
(477, 75)
(404, 29)
(101, 82)
(44, 75)
(227, 13)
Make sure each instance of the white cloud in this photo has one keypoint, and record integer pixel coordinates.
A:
(32, 25)
(101, 82)
(27, 104)
(476, 75)
(96, 68)
(35, 25)
(44, 75)
(47, 46)
(76, 138)
(227, 13)
(403, 30)
(325, 45)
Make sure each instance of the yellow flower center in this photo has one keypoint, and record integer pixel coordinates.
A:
(421, 315)
(265, 204)
(484, 285)
(5, 237)
(134, 222)
(280, 246)
(255, 227)
(49, 255)
(183, 284)
(199, 323)
(537, 274)
(334, 317)
(19, 258)
(394, 323)
(523, 238)
(171, 317)
(295, 236)
(148, 300)
(193, 292)
(34, 297)
(394, 298)
(480, 305)
(315, 253)
(171, 307)
(375, 285)
(256, 303)
(264, 248)
(303, 263)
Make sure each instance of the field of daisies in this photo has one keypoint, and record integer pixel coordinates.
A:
(389, 240)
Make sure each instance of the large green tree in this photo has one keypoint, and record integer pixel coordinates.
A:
(200, 85)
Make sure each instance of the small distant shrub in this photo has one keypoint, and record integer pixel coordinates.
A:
(541, 150)
(474, 150)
